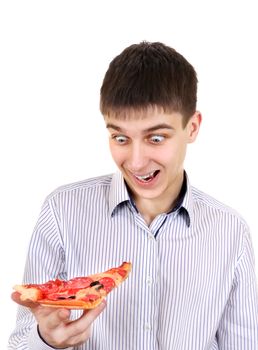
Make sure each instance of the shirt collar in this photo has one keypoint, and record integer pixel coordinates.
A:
(187, 203)
(119, 194)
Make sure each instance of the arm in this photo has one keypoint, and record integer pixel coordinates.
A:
(238, 328)
(53, 328)
(38, 326)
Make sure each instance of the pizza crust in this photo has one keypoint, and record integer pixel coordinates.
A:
(71, 304)
(32, 294)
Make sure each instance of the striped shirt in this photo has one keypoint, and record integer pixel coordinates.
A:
(193, 283)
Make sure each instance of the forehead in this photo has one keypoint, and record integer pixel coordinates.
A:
(144, 120)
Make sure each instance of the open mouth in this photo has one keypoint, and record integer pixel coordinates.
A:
(148, 177)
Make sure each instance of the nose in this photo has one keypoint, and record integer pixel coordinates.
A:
(138, 157)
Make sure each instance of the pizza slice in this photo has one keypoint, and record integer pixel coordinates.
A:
(77, 293)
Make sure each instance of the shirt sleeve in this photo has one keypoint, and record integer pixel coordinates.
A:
(238, 328)
(45, 261)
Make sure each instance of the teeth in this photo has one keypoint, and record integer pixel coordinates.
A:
(144, 177)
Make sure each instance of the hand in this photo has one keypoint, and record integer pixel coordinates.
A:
(55, 327)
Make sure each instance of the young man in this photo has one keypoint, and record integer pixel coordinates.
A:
(193, 283)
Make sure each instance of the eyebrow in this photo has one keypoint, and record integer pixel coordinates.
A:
(152, 128)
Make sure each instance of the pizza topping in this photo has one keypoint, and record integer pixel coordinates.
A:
(119, 271)
(50, 286)
(78, 292)
(99, 286)
(68, 297)
(108, 284)
(79, 282)
(91, 297)
(95, 283)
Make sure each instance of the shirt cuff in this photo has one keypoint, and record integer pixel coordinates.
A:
(36, 343)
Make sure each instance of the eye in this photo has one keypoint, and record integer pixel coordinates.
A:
(156, 138)
(120, 139)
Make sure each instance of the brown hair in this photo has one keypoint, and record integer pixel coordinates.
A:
(149, 75)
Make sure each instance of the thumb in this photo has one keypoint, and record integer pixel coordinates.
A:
(64, 314)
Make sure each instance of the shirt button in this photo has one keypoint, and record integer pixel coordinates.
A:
(147, 327)
(151, 238)
(149, 280)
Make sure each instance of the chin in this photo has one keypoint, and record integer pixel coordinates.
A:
(148, 194)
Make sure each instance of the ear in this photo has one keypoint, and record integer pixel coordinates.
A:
(193, 126)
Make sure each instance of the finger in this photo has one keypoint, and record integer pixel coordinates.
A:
(64, 315)
(91, 315)
(55, 317)
(85, 321)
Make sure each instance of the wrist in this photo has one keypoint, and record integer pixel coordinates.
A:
(44, 341)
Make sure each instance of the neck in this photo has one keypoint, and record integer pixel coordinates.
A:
(150, 208)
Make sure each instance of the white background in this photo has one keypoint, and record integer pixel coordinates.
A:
(53, 58)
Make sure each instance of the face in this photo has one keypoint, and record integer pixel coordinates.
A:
(150, 149)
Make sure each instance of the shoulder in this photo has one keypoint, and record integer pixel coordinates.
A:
(215, 208)
(98, 184)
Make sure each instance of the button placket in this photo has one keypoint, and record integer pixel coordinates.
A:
(151, 270)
